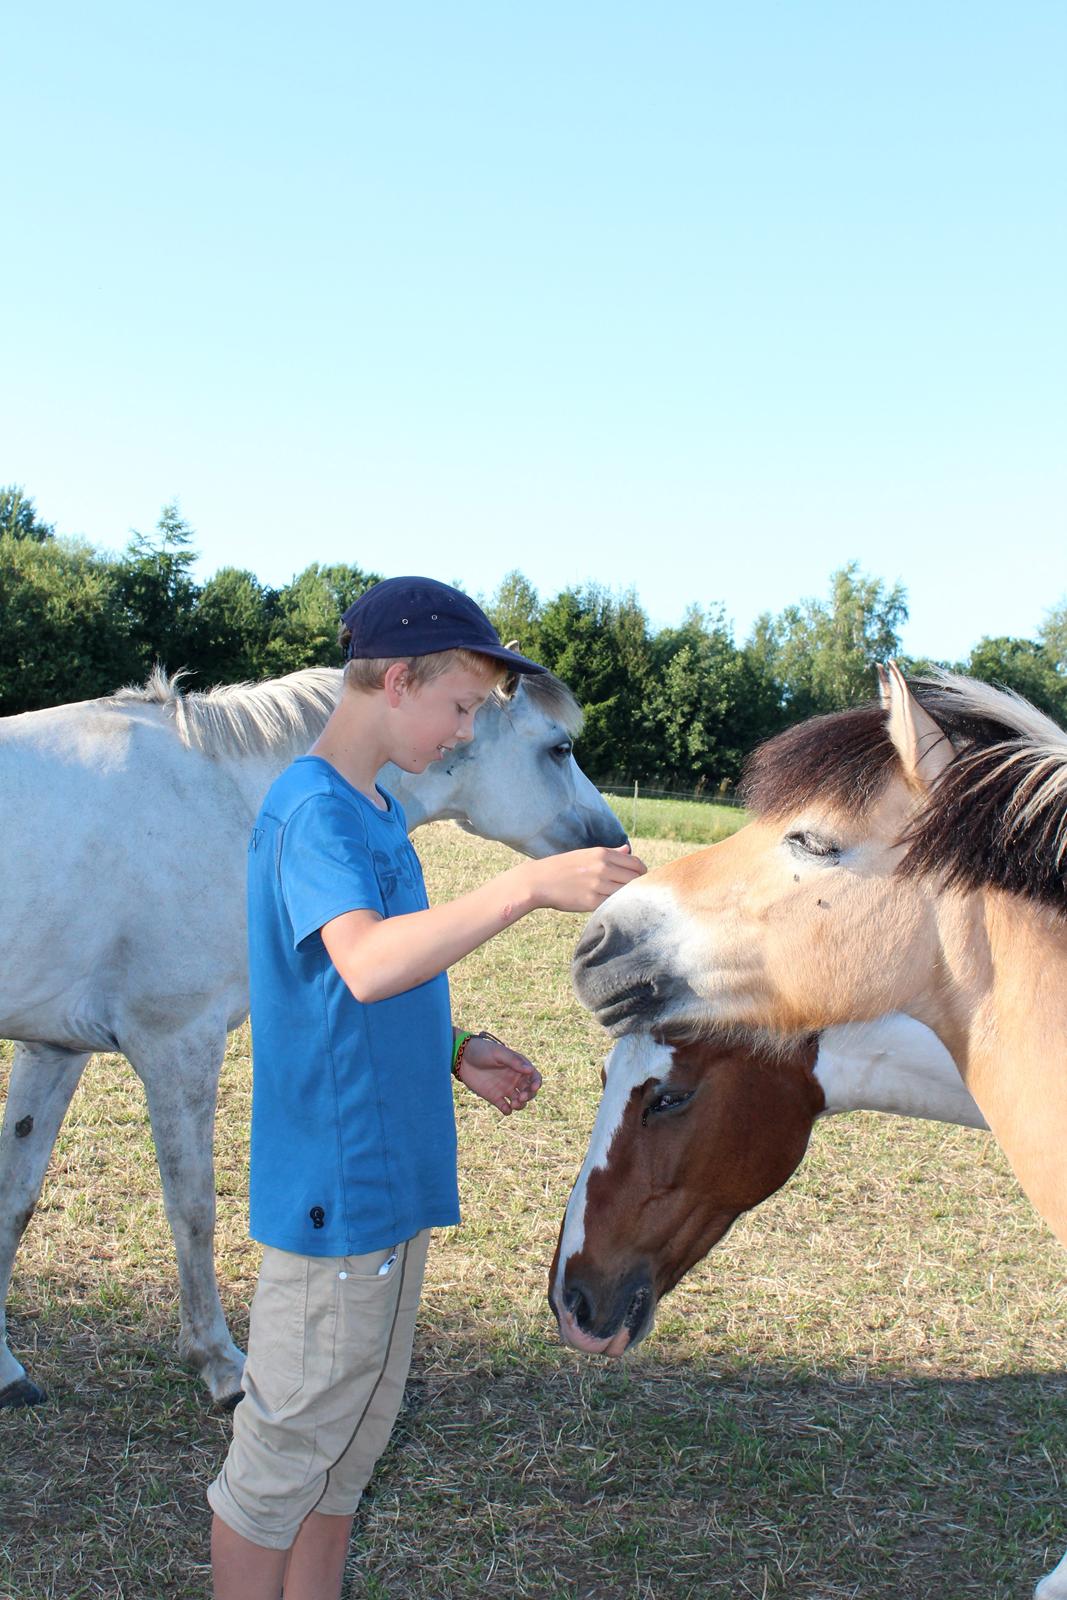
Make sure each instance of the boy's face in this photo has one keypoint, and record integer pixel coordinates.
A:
(431, 720)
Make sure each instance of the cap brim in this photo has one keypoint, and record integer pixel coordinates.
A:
(510, 658)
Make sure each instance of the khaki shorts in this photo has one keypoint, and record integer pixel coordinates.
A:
(329, 1348)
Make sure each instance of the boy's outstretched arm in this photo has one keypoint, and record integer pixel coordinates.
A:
(378, 957)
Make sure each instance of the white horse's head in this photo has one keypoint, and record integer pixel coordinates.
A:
(517, 781)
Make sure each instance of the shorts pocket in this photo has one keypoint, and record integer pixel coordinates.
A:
(278, 1327)
(377, 1266)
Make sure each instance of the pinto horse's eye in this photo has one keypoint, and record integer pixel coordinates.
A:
(814, 845)
(669, 1100)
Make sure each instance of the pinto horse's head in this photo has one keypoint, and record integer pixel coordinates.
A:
(688, 1136)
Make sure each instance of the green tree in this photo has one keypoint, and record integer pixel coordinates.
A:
(63, 628)
(307, 614)
(515, 612)
(598, 644)
(822, 654)
(156, 587)
(1020, 664)
(706, 705)
(231, 628)
(1053, 636)
(19, 519)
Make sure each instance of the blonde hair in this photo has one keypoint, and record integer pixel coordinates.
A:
(370, 674)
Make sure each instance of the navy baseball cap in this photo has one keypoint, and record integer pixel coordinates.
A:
(418, 617)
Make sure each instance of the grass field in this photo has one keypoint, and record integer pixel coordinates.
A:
(681, 821)
(860, 1396)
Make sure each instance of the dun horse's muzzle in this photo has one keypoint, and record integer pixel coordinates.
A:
(618, 971)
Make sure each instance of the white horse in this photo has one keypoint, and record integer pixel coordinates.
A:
(126, 821)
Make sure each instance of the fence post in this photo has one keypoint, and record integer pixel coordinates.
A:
(633, 830)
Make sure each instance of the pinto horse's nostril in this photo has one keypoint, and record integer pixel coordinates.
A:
(635, 1314)
(577, 1305)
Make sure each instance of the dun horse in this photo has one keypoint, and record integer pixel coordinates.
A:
(125, 822)
(908, 858)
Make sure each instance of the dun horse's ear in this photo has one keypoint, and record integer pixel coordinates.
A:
(922, 745)
(883, 687)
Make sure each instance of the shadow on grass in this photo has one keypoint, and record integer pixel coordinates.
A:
(530, 1472)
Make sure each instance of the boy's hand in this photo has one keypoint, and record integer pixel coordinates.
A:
(581, 880)
(499, 1075)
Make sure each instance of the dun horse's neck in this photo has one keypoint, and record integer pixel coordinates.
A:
(1015, 1062)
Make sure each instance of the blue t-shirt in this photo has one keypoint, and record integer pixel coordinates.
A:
(353, 1129)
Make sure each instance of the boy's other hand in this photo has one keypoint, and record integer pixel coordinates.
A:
(500, 1075)
(581, 880)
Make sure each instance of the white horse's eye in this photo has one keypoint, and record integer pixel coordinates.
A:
(562, 752)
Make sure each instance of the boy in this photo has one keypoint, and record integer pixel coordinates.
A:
(353, 1134)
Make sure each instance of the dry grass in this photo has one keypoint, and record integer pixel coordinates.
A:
(859, 1395)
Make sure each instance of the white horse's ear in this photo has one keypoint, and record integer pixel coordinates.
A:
(512, 644)
(883, 686)
(922, 745)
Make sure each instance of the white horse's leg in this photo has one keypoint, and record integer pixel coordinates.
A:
(1054, 1586)
(181, 1077)
(39, 1092)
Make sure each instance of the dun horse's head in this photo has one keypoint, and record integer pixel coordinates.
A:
(800, 920)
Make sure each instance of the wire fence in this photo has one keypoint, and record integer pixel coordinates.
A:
(638, 791)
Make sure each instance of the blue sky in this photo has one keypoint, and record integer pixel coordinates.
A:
(699, 299)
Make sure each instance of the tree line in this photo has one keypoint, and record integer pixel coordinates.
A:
(677, 707)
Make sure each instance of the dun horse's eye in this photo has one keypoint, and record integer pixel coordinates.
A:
(813, 844)
(669, 1100)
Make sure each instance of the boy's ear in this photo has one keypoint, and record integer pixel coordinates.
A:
(396, 681)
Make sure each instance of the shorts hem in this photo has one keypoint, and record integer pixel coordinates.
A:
(228, 1511)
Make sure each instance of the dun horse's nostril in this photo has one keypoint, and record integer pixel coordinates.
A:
(591, 940)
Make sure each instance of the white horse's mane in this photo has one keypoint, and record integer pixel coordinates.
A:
(252, 718)
(248, 718)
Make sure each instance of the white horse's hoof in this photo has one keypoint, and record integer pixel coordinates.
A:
(222, 1373)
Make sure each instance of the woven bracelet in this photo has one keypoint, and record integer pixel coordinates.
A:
(461, 1043)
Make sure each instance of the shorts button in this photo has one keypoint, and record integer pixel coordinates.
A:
(342, 1274)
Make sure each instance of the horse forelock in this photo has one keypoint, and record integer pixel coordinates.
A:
(242, 718)
(844, 759)
(776, 1044)
(546, 694)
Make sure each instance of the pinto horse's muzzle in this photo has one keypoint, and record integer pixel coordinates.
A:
(604, 1318)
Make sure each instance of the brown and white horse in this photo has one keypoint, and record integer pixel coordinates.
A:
(905, 858)
(691, 1134)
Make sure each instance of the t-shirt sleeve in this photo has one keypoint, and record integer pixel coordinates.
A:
(326, 866)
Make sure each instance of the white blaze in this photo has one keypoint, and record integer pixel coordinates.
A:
(633, 1060)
